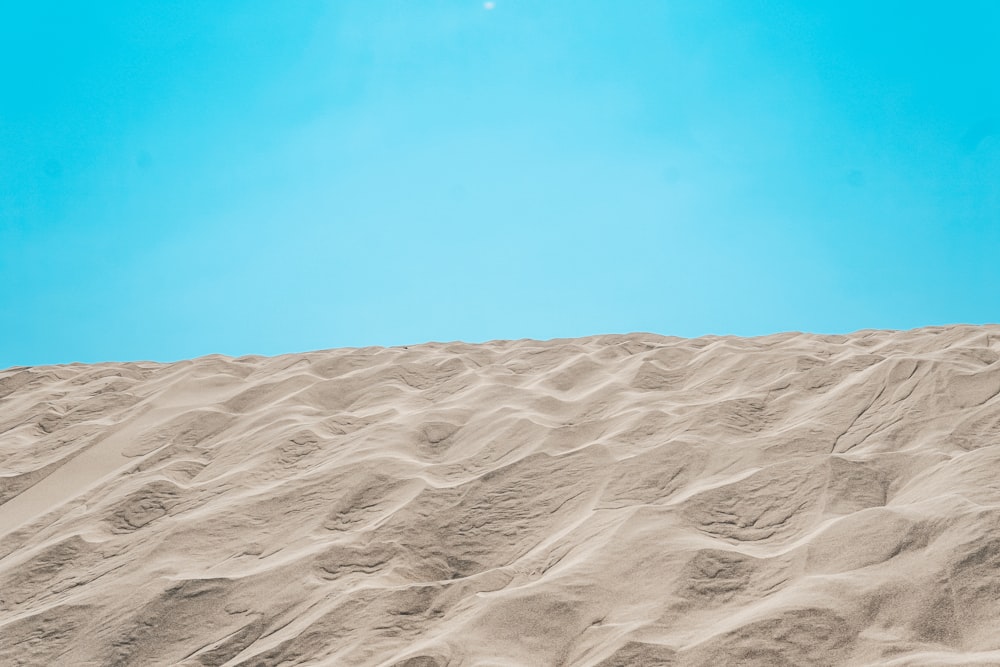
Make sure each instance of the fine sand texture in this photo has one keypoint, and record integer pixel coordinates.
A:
(607, 501)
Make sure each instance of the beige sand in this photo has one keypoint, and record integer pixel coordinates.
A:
(615, 500)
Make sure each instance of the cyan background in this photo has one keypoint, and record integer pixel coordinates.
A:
(184, 178)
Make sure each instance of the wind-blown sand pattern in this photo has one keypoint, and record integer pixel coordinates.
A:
(615, 500)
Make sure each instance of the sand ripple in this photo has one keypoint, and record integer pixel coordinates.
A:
(614, 500)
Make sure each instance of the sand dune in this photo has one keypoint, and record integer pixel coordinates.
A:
(614, 500)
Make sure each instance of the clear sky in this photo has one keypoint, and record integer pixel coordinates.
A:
(183, 178)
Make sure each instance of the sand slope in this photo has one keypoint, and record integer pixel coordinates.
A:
(615, 500)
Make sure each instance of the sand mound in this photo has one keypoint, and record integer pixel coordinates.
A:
(615, 500)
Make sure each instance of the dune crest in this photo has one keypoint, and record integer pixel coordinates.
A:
(606, 501)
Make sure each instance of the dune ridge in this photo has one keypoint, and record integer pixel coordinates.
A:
(605, 501)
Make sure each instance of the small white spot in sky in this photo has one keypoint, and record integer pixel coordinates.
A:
(489, 5)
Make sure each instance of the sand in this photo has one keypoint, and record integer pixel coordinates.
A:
(615, 500)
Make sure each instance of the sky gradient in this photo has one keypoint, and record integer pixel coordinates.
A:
(179, 179)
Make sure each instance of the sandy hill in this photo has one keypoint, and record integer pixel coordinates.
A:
(615, 500)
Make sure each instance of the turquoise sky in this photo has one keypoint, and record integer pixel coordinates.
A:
(183, 178)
